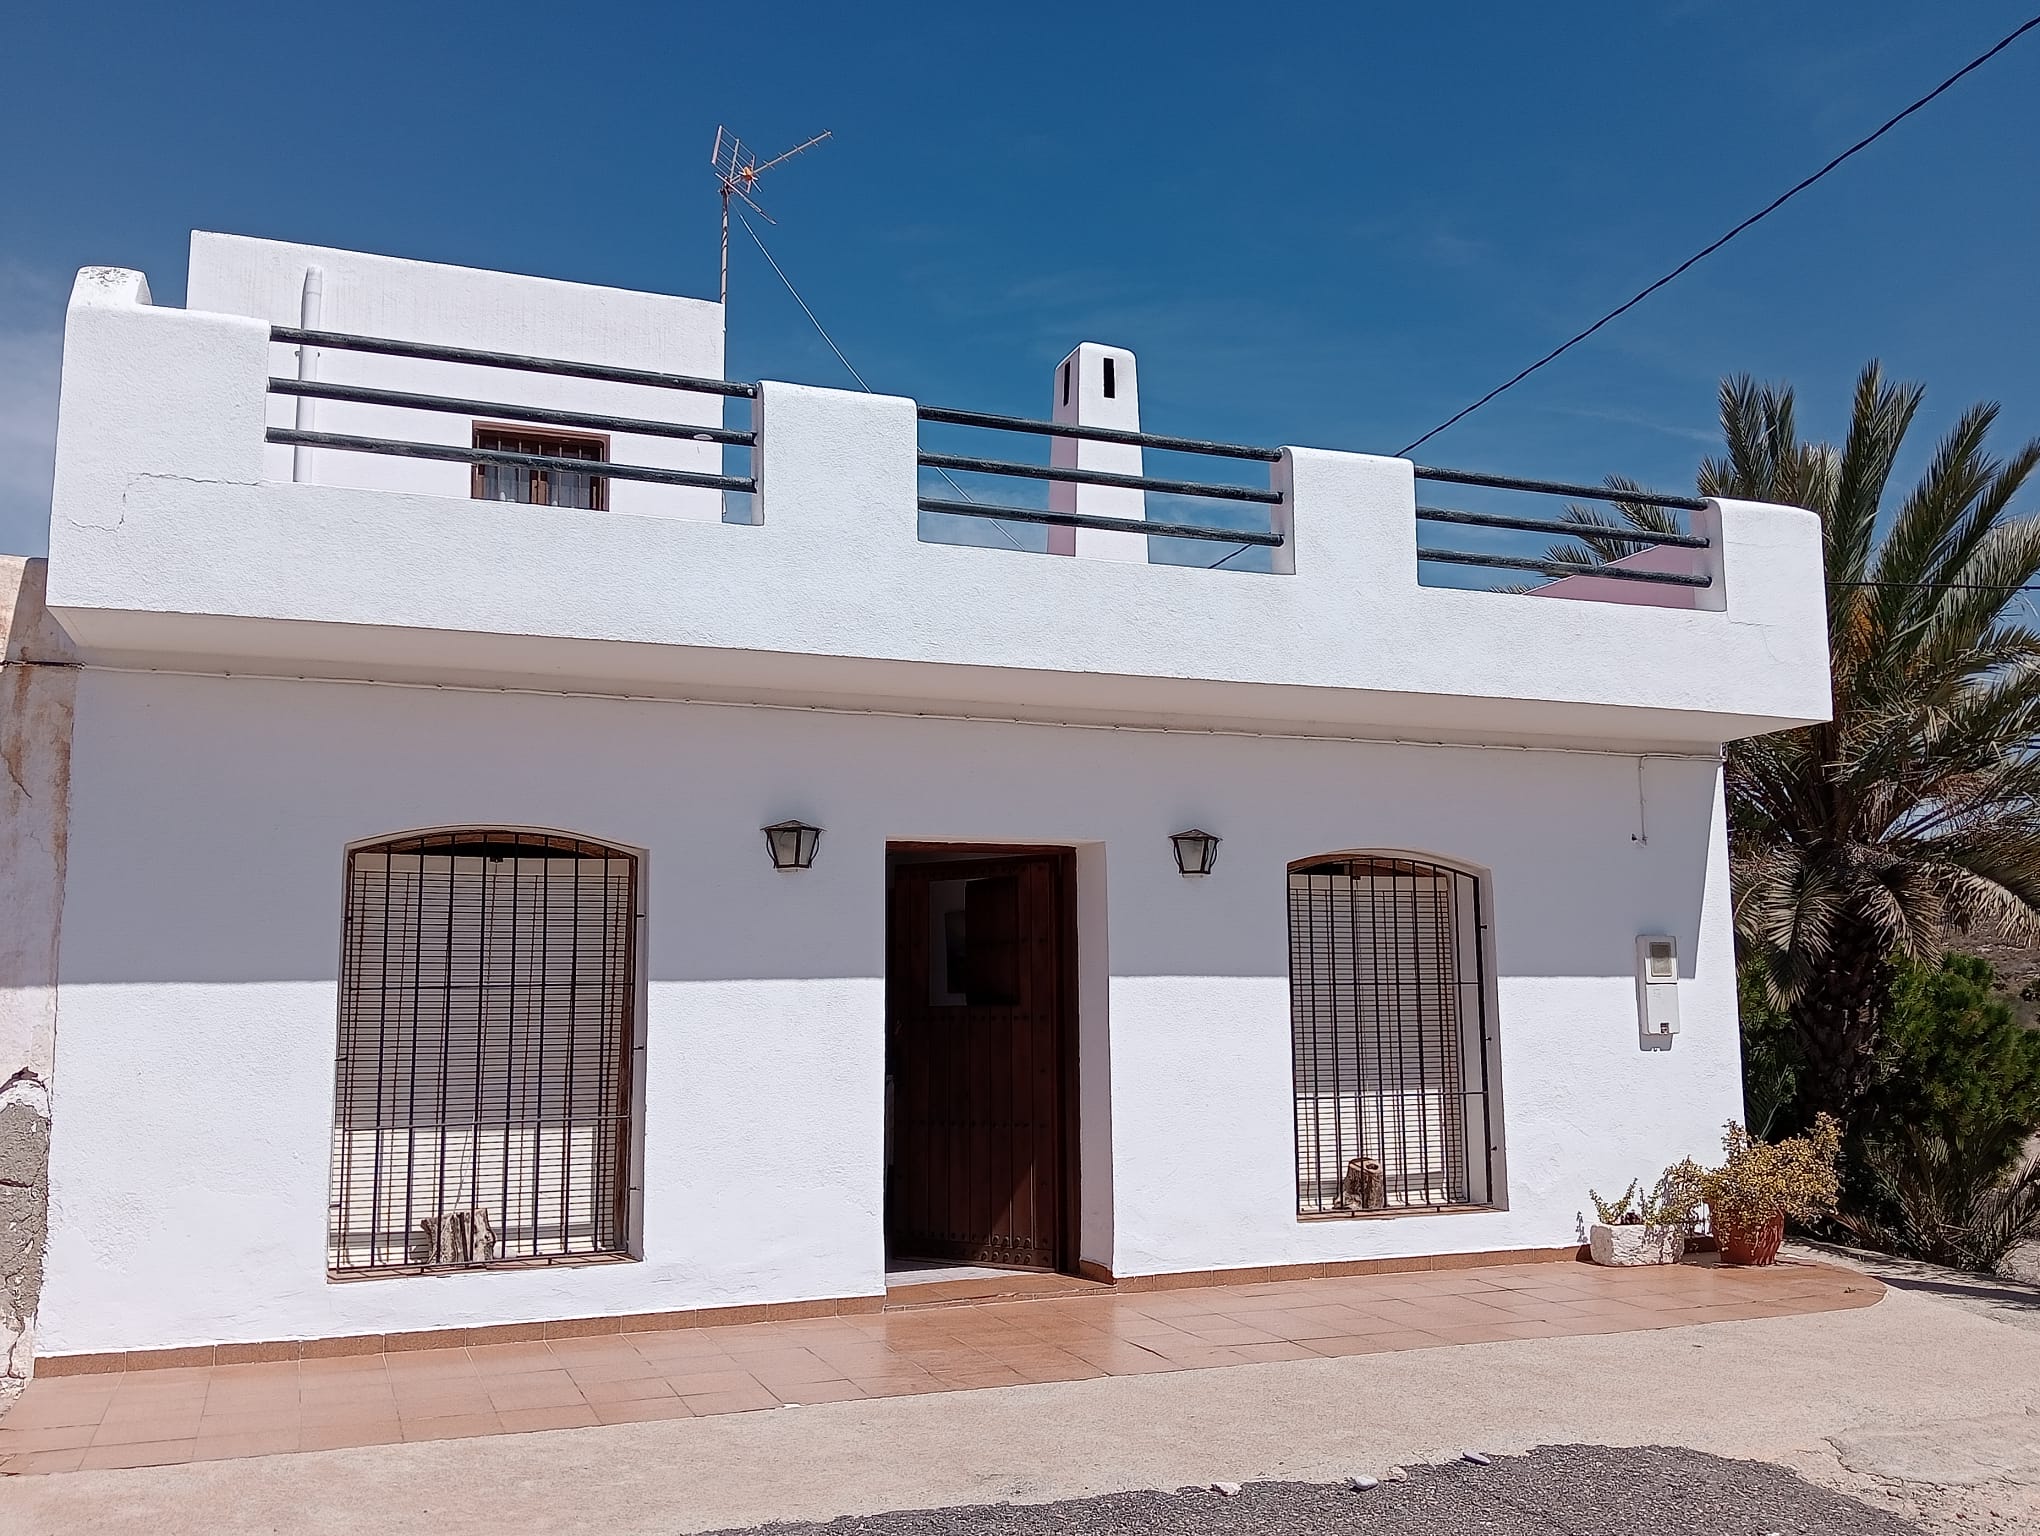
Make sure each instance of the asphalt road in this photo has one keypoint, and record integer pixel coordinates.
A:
(1567, 1490)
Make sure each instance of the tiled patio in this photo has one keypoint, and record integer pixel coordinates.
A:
(159, 1417)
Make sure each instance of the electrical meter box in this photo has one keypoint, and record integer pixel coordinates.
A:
(1657, 987)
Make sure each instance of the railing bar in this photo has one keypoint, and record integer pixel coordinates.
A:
(1573, 530)
(545, 415)
(1098, 477)
(1562, 568)
(1096, 434)
(1560, 488)
(1103, 524)
(433, 352)
(600, 469)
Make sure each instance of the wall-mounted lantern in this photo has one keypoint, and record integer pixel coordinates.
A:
(1196, 851)
(792, 844)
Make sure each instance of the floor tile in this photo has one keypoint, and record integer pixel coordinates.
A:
(157, 1453)
(641, 1389)
(55, 1437)
(141, 1428)
(809, 1393)
(642, 1412)
(452, 1427)
(512, 1359)
(560, 1416)
(30, 1463)
(467, 1398)
(738, 1400)
(269, 1442)
(334, 1437)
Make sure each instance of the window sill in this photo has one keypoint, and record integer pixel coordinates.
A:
(1396, 1212)
(493, 1266)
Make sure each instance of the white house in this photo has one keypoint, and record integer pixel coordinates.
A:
(424, 965)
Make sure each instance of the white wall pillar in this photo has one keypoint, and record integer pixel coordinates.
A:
(1096, 386)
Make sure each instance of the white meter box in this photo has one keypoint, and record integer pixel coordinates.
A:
(1657, 985)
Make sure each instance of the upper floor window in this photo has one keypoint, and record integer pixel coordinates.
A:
(550, 487)
(1388, 1011)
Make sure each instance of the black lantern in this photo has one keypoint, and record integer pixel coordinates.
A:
(792, 844)
(1196, 851)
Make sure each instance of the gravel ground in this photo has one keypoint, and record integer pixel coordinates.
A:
(1564, 1490)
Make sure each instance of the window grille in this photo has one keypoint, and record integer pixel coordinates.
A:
(484, 1080)
(545, 487)
(1387, 961)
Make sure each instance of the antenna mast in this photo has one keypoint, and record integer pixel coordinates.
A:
(738, 170)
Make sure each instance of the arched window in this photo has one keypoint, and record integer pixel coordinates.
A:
(482, 1108)
(1387, 989)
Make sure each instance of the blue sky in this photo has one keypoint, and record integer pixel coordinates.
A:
(1328, 225)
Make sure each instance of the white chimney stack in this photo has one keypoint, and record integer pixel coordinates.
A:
(1097, 386)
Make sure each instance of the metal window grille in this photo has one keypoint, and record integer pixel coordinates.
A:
(1387, 961)
(544, 487)
(484, 1077)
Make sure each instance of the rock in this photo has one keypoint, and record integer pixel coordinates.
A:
(1955, 1453)
(1228, 1489)
(1476, 1458)
(1398, 1474)
(1360, 1482)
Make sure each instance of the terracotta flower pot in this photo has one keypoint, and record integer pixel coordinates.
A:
(1752, 1245)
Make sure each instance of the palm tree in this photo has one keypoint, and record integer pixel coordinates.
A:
(1910, 817)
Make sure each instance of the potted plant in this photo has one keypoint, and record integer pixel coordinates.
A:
(1761, 1183)
(1646, 1227)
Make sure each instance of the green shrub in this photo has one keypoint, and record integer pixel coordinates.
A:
(1771, 1065)
(1942, 1204)
(1938, 1167)
(1956, 1064)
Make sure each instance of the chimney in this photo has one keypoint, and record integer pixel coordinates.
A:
(1096, 386)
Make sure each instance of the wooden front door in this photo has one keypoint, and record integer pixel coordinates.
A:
(977, 1000)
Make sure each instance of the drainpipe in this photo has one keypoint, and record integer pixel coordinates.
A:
(309, 305)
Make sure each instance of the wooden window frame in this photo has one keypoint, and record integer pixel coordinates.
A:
(547, 441)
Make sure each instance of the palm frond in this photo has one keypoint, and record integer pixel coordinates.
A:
(1914, 814)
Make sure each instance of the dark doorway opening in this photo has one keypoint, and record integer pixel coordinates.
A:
(981, 1056)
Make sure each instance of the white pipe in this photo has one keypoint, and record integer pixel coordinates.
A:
(310, 303)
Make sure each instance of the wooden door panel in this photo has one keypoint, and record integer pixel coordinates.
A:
(974, 1004)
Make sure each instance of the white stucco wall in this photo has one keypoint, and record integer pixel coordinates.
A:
(367, 295)
(202, 936)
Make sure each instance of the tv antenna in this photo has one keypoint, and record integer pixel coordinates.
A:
(738, 170)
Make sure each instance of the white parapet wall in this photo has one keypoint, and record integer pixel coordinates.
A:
(173, 539)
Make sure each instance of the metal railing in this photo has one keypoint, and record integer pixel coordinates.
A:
(1058, 475)
(1583, 533)
(948, 464)
(505, 411)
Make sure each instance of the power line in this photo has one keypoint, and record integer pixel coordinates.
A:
(1621, 309)
(1940, 586)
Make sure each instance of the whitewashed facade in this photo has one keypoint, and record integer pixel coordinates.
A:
(284, 655)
